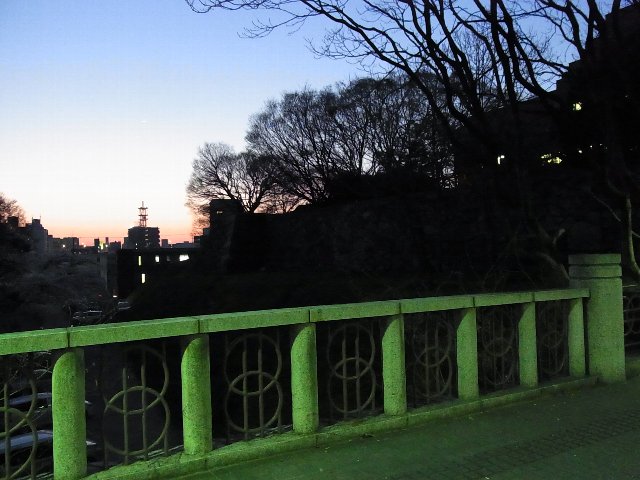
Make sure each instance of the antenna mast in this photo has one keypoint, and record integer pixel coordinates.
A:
(142, 213)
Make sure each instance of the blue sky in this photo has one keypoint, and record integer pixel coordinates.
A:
(104, 104)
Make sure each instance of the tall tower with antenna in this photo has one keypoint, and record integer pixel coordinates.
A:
(142, 213)
(142, 236)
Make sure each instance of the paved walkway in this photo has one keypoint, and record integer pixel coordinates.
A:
(592, 433)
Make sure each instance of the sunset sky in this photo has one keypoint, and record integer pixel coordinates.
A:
(103, 105)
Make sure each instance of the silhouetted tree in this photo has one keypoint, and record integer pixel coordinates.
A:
(478, 55)
(297, 134)
(402, 133)
(36, 290)
(10, 208)
(11, 240)
(485, 57)
(603, 97)
(219, 172)
(366, 127)
(466, 61)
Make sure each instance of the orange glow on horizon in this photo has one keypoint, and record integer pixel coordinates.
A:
(87, 233)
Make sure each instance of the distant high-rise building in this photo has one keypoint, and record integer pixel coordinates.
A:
(37, 234)
(70, 243)
(67, 244)
(115, 246)
(143, 237)
(200, 239)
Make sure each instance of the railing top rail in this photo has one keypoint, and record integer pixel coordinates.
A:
(60, 338)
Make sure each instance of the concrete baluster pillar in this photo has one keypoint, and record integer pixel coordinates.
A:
(601, 274)
(196, 395)
(527, 346)
(577, 366)
(69, 423)
(304, 378)
(467, 355)
(394, 376)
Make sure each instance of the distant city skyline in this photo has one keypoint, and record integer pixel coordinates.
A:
(87, 240)
(104, 105)
(173, 238)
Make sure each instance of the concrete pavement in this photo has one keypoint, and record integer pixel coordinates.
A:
(592, 433)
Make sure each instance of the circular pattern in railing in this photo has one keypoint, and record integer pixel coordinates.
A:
(497, 348)
(17, 424)
(552, 333)
(432, 349)
(133, 406)
(254, 396)
(351, 352)
(631, 319)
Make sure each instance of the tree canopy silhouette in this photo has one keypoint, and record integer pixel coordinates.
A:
(10, 208)
(362, 128)
(311, 146)
(219, 172)
(475, 58)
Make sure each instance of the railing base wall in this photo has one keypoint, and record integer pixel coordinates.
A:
(632, 366)
(181, 464)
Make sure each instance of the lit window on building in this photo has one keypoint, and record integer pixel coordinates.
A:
(577, 106)
(139, 260)
(183, 257)
(157, 258)
(500, 159)
(551, 159)
(143, 278)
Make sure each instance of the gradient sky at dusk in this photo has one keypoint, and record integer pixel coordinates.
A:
(104, 104)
